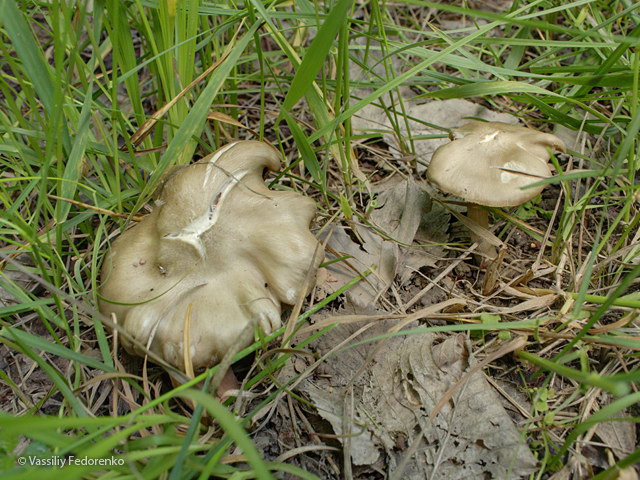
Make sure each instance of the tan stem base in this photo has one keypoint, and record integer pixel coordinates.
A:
(485, 252)
(229, 383)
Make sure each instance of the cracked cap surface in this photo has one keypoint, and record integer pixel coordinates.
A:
(220, 252)
(488, 163)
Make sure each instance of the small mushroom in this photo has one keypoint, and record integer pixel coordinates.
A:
(489, 163)
(220, 252)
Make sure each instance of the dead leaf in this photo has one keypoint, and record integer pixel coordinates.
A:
(330, 406)
(434, 225)
(378, 247)
(374, 254)
(400, 209)
(398, 115)
(619, 436)
(471, 437)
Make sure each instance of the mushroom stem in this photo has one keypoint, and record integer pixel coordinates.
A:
(485, 251)
(229, 383)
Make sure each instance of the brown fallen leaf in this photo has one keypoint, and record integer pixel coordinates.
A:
(396, 395)
(472, 437)
(330, 406)
(373, 253)
(620, 436)
(380, 245)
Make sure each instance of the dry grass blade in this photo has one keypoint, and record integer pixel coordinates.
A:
(302, 450)
(135, 218)
(224, 118)
(186, 342)
(145, 129)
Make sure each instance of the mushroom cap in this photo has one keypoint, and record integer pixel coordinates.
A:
(220, 251)
(488, 163)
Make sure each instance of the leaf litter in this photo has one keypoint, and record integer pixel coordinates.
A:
(379, 395)
(384, 245)
(380, 405)
(619, 435)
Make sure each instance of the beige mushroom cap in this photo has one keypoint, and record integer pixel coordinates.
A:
(220, 250)
(488, 163)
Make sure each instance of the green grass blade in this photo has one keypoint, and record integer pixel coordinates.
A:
(180, 150)
(605, 414)
(73, 169)
(233, 429)
(37, 69)
(315, 55)
(617, 388)
(308, 155)
(39, 343)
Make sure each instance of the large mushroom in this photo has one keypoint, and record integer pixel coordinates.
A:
(220, 253)
(489, 163)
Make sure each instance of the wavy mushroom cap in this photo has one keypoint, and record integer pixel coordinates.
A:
(220, 251)
(488, 163)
